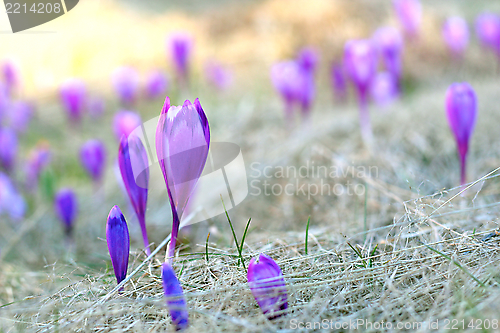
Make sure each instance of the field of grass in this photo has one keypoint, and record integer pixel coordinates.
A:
(410, 248)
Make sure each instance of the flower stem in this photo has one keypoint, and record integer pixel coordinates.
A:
(142, 223)
(175, 231)
(463, 168)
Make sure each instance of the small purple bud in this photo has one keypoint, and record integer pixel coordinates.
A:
(384, 89)
(488, 31)
(461, 111)
(339, 82)
(93, 159)
(8, 148)
(11, 201)
(20, 114)
(268, 286)
(132, 157)
(176, 303)
(409, 13)
(217, 75)
(456, 35)
(126, 83)
(73, 96)
(96, 107)
(125, 122)
(308, 59)
(156, 85)
(180, 46)
(118, 241)
(66, 208)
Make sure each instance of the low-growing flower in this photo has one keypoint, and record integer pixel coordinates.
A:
(126, 83)
(73, 95)
(93, 159)
(488, 31)
(180, 47)
(409, 14)
(118, 240)
(156, 84)
(456, 35)
(176, 303)
(66, 208)
(389, 43)
(307, 61)
(268, 286)
(287, 80)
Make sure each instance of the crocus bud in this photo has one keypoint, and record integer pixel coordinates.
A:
(338, 82)
(409, 14)
(488, 31)
(156, 85)
(217, 75)
(182, 142)
(384, 88)
(126, 83)
(267, 285)
(8, 148)
(12, 202)
(176, 303)
(456, 35)
(118, 241)
(73, 97)
(180, 45)
(287, 80)
(93, 159)
(66, 207)
(389, 43)
(461, 111)
(125, 122)
(307, 61)
(132, 157)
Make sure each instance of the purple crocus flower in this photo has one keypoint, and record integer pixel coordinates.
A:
(267, 285)
(126, 83)
(180, 45)
(456, 35)
(125, 122)
(20, 114)
(156, 84)
(217, 75)
(389, 43)
(339, 82)
(461, 111)
(10, 73)
(96, 107)
(182, 142)
(38, 160)
(12, 202)
(307, 61)
(488, 31)
(66, 208)
(409, 13)
(287, 80)
(118, 241)
(132, 158)
(176, 303)
(360, 61)
(73, 96)
(384, 88)
(93, 159)
(8, 148)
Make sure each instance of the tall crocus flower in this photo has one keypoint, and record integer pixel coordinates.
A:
(217, 75)
(409, 14)
(287, 80)
(488, 31)
(8, 148)
(73, 95)
(125, 122)
(176, 302)
(389, 43)
(93, 159)
(456, 35)
(156, 84)
(132, 157)
(126, 83)
(180, 46)
(118, 240)
(360, 61)
(307, 61)
(339, 83)
(268, 286)
(66, 208)
(182, 142)
(461, 111)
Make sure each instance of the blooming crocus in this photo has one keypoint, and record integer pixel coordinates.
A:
(126, 83)
(307, 61)
(20, 114)
(8, 148)
(132, 157)
(156, 84)
(488, 31)
(461, 111)
(384, 88)
(456, 35)
(125, 122)
(389, 43)
(182, 142)
(360, 61)
(286, 78)
(66, 208)
(338, 82)
(73, 95)
(12, 202)
(93, 159)
(176, 303)
(38, 160)
(118, 241)
(268, 286)
(10, 74)
(217, 75)
(180, 46)
(409, 14)
(96, 107)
